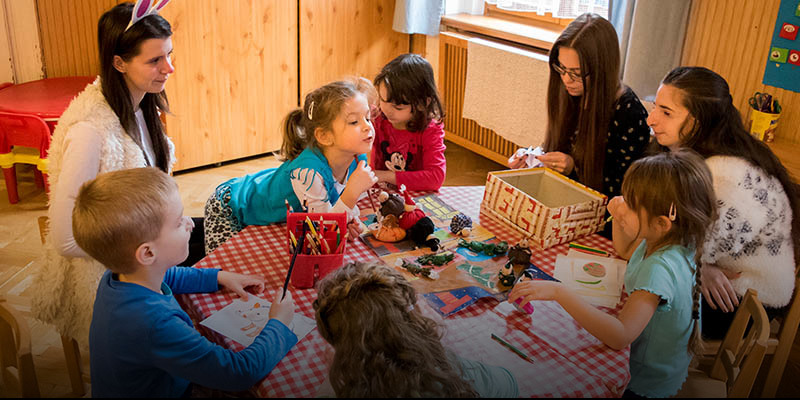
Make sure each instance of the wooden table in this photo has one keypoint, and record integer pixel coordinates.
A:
(46, 98)
(568, 361)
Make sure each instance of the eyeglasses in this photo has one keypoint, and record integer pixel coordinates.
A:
(574, 76)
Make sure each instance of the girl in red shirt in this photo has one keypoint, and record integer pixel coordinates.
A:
(409, 134)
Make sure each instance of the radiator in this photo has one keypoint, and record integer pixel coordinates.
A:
(452, 81)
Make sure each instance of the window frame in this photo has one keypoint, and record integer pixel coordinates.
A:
(492, 10)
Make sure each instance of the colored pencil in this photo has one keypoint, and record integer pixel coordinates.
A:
(512, 348)
(610, 217)
(587, 249)
(297, 249)
(294, 240)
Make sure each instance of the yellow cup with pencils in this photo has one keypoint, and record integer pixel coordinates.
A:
(765, 111)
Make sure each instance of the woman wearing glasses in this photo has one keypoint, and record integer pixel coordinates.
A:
(596, 126)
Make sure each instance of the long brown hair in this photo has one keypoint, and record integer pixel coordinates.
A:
(717, 130)
(684, 182)
(408, 79)
(320, 109)
(113, 40)
(384, 346)
(595, 40)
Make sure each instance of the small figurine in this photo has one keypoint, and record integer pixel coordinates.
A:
(391, 204)
(436, 259)
(420, 232)
(506, 275)
(417, 224)
(388, 230)
(521, 253)
(461, 225)
(490, 249)
(415, 269)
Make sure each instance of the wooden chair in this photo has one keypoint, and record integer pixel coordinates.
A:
(779, 344)
(15, 352)
(739, 357)
(72, 351)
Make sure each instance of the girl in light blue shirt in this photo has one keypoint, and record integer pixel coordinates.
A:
(667, 205)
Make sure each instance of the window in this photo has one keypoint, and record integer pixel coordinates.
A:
(554, 11)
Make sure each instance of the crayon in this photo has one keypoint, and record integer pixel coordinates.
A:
(512, 348)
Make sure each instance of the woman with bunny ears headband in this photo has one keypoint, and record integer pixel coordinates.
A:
(113, 124)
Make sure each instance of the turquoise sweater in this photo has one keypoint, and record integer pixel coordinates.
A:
(259, 198)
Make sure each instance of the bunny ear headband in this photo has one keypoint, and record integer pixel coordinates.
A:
(143, 9)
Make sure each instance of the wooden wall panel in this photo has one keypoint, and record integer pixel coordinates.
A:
(235, 78)
(346, 38)
(69, 35)
(732, 38)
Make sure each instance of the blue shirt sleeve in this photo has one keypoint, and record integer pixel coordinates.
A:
(181, 351)
(654, 275)
(192, 280)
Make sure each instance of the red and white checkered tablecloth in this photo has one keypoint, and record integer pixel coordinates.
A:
(568, 361)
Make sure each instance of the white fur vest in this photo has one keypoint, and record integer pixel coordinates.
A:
(66, 286)
(753, 230)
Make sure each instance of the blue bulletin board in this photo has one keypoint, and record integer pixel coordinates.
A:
(783, 65)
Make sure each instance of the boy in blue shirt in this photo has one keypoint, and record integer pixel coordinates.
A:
(142, 344)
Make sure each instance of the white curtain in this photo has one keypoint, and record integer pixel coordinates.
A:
(559, 8)
(418, 16)
(651, 34)
(464, 6)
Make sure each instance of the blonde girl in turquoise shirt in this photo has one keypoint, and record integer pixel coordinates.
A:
(665, 223)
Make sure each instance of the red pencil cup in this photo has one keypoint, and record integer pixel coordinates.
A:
(303, 274)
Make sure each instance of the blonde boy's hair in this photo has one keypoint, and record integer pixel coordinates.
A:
(118, 211)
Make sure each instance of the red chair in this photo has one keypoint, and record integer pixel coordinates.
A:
(23, 139)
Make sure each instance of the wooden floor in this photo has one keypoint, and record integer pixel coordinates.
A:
(20, 245)
(20, 252)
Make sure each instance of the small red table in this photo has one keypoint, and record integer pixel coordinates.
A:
(45, 98)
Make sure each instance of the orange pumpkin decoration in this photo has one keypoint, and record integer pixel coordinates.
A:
(389, 230)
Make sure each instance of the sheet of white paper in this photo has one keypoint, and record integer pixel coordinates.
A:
(603, 291)
(243, 321)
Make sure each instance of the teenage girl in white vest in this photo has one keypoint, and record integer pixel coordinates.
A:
(755, 240)
(113, 124)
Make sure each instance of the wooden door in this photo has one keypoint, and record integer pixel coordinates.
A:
(235, 77)
(346, 38)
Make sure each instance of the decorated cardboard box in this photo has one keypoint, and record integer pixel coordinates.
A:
(544, 205)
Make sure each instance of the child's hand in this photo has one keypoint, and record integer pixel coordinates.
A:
(386, 176)
(354, 229)
(239, 282)
(360, 180)
(556, 160)
(535, 290)
(282, 310)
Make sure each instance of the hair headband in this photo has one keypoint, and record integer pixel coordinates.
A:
(143, 9)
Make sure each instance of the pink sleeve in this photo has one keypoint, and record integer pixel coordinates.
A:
(79, 164)
(376, 161)
(434, 165)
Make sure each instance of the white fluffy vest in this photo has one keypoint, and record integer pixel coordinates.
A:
(752, 233)
(67, 286)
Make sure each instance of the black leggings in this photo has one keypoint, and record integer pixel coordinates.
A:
(197, 247)
(715, 323)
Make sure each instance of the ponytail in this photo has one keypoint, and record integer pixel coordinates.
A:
(295, 139)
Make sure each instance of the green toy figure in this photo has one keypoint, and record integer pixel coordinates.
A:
(415, 269)
(490, 249)
(436, 259)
